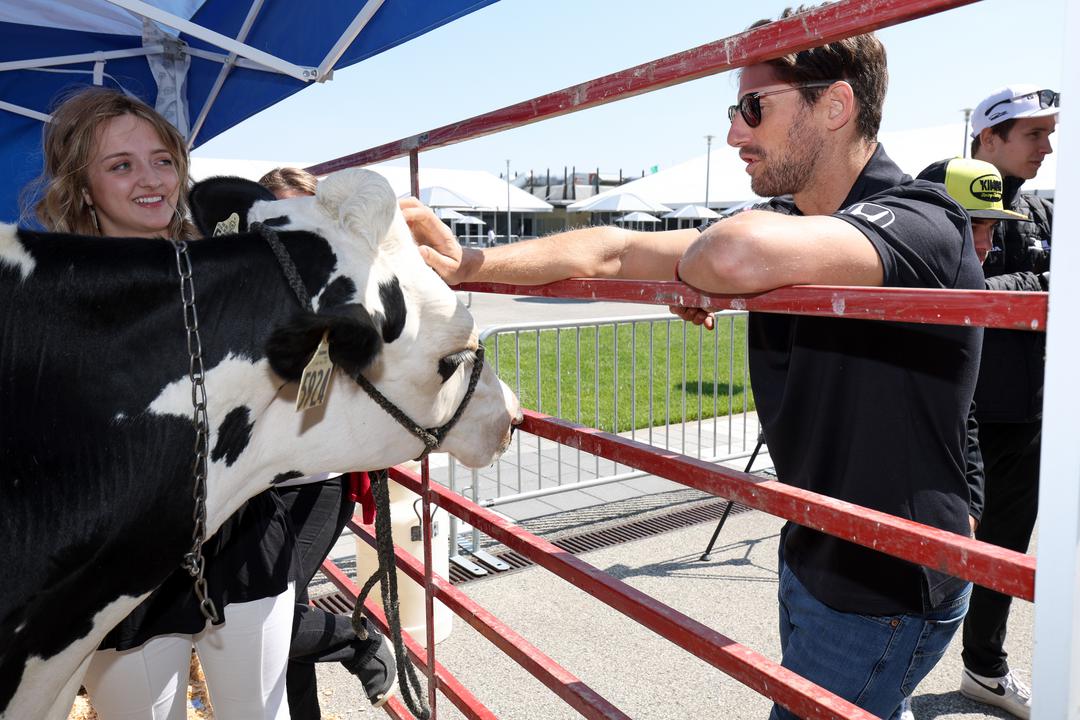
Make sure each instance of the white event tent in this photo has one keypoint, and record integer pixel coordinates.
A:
(684, 184)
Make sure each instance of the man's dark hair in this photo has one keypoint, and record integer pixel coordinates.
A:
(860, 60)
(1001, 130)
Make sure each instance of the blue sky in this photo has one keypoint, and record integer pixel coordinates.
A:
(517, 49)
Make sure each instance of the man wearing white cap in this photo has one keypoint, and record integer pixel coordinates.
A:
(1011, 130)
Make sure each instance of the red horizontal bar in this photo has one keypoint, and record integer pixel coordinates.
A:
(745, 665)
(1011, 310)
(397, 710)
(816, 27)
(570, 688)
(450, 686)
(994, 567)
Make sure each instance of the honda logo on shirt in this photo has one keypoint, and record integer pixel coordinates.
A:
(877, 214)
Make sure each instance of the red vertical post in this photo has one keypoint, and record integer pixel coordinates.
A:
(414, 176)
(429, 583)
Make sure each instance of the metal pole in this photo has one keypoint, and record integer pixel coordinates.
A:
(708, 155)
(507, 202)
(966, 140)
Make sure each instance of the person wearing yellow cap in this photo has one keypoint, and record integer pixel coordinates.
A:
(1008, 401)
(978, 187)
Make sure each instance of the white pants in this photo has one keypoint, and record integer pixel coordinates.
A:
(244, 661)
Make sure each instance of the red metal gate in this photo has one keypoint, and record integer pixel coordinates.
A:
(1003, 570)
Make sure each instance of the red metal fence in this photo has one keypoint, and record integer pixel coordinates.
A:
(987, 565)
(1003, 570)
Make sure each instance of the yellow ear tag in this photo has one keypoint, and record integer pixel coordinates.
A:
(315, 381)
(228, 226)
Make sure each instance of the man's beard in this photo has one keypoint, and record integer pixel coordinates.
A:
(789, 170)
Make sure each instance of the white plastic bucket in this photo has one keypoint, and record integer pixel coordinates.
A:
(404, 516)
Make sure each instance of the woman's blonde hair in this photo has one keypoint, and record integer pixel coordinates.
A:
(68, 143)
(289, 178)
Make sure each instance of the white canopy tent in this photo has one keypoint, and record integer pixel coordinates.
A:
(617, 200)
(684, 184)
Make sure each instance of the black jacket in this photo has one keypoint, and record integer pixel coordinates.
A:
(1010, 387)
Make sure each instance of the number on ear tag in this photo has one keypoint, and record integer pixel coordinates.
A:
(315, 380)
(228, 226)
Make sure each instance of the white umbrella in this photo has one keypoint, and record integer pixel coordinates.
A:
(625, 202)
(638, 217)
(693, 212)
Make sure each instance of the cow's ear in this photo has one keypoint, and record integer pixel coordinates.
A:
(355, 341)
(361, 200)
(216, 199)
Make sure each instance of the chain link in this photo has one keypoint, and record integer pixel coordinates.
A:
(194, 562)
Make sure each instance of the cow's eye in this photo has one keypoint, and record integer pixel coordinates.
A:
(450, 363)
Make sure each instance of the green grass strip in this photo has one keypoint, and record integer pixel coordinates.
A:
(666, 371)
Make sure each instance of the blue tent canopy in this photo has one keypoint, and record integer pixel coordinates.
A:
(204, 64)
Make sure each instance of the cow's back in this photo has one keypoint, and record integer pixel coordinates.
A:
(95, 489)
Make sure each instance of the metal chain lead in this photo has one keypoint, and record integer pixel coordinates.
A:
(194, 562)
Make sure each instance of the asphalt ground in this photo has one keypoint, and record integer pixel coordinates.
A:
(643, 674)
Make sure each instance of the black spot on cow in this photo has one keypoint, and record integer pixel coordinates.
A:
(354, 340)
(233, 435)
(450, 363)
(215, 199)
(279, 221)
(393, 302)
(290, 475)
(339, 292)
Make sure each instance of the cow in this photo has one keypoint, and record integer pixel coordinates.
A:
(96, 432)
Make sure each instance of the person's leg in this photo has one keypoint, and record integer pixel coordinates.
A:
(318, 512)
(1011, 457)
(244, 659)
(871, 661)
(145, 683)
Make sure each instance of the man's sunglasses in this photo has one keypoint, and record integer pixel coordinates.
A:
(749, 105)
(1047, 99)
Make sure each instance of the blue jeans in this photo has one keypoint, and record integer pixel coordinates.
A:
(873, 661)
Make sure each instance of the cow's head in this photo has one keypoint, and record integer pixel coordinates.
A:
(389, 318)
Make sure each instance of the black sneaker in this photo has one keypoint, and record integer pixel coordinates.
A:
(374, 665)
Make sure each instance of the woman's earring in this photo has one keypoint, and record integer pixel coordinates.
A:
(93, 217)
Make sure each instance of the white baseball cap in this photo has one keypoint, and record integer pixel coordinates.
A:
(1011, 102)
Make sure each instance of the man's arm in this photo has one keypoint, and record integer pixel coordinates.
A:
(974, 471)
(1022, 281)
(756, 251)
(590, 252)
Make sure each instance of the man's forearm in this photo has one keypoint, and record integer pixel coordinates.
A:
(602, 252)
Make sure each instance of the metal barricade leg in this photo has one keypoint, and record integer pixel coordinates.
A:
(727, 509)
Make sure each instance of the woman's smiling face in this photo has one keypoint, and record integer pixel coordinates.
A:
(133, 183)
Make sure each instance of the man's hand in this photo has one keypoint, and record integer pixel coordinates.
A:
(696, 315)
(438, 246)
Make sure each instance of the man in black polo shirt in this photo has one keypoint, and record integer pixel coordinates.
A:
(869, 412)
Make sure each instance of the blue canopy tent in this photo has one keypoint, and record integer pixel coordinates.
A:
(204, 64)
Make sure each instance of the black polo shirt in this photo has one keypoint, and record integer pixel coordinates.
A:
(874, 412)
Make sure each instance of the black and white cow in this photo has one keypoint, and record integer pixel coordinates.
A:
(96, 438)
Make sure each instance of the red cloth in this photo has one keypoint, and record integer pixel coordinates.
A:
(360, 491)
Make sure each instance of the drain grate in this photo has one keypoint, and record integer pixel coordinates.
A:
(612, 535)
(576, 544)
